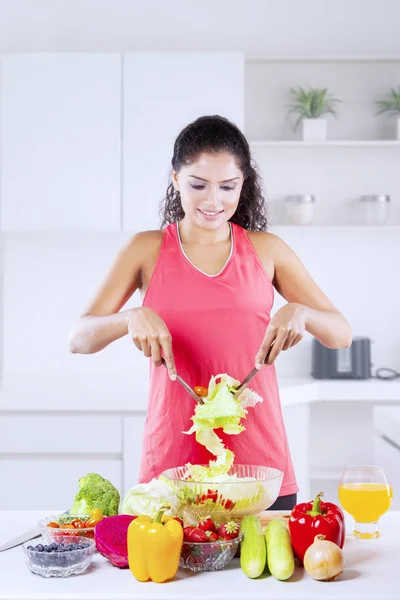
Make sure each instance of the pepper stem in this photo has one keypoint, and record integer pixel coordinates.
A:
(316, 507)
(160, 512)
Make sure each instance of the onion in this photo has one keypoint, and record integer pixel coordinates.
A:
(323, 560)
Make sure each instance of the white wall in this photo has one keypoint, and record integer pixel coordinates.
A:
(253, 26)
(357, 270)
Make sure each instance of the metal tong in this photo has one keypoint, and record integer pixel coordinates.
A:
(250, 376)
(187, 387)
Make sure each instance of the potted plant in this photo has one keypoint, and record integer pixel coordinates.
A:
(310, 105)
(391, 105)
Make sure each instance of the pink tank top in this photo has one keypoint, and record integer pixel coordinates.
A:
(217, 324)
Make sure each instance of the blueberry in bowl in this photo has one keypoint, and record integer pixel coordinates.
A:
(67, 556)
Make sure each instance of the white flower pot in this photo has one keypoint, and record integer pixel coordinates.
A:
(314, 130)
(398, 127)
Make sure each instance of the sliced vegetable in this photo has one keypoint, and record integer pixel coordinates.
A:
(279, 550)
(78, 524)
(253, 552)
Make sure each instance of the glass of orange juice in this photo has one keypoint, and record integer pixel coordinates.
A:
(366, 494)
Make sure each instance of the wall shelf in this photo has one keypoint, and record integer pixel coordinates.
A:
(325, 144)
(366, 58)
(280, 228)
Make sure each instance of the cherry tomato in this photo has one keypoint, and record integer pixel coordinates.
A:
(201, 391)
(96, 514)
(53, 524)
(92, 522)
(77, 524)
(67, 526)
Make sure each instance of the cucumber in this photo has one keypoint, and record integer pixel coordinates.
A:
(253, 552)
(279, 550)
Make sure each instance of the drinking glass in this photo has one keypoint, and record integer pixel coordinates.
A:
(366, 494)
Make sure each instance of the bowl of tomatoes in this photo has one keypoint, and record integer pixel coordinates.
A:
(70, 524)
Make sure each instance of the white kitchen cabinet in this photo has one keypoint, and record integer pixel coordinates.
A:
(71, 434)
(42, 456)
(60, 142)
(133, 427)
(163, 92)
(297, 424)
(42, 482)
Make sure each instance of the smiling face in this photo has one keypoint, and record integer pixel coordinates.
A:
(210, 189)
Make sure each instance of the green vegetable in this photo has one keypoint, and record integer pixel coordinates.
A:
(146, 498)
(279, 550)
(219, 410)
(96, 492)
(253, 551)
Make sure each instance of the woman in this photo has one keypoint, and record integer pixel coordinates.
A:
(207, 279)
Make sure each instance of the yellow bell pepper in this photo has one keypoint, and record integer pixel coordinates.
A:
(154, 547)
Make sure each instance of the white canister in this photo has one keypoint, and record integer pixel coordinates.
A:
(375, 208)
(299, 209)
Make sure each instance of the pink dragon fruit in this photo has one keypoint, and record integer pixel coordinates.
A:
(110, 536)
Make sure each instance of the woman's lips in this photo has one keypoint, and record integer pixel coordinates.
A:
(210, 215)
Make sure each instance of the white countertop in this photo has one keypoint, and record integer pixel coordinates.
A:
(113, 393)
(370, 574)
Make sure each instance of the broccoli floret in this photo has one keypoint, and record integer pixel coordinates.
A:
(96, 492)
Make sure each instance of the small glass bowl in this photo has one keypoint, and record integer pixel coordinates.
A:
(61, 563)
(53, 533)
(208, 556)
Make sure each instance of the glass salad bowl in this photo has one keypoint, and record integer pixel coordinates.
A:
(245, 490)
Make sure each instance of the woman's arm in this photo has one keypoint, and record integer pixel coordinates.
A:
(307, 308)
(295, 284)
(102, 323)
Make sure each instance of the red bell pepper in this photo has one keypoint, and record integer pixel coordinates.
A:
(309, 519)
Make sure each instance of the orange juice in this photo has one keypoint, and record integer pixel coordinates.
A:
(365, 502)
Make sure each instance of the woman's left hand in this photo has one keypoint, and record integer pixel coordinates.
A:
(286, 329)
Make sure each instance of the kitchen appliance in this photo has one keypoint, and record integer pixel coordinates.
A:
(342, 363)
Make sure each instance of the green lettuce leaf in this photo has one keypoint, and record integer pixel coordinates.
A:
(220, 410)
(146, 498)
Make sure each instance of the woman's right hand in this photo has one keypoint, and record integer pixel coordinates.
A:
(150, 334)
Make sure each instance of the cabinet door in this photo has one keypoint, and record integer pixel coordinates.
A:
(60, 138)
(45, 483)
(132, 449)
(297, 424)
(163, 92)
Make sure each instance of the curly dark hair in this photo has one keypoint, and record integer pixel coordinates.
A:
(216, 134)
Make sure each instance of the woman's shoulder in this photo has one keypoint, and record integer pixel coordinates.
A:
(264, 240)
(145, 241)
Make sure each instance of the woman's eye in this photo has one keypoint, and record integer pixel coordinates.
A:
(197, 187)
(227, 188)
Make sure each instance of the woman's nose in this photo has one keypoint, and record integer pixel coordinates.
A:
(212, 199)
